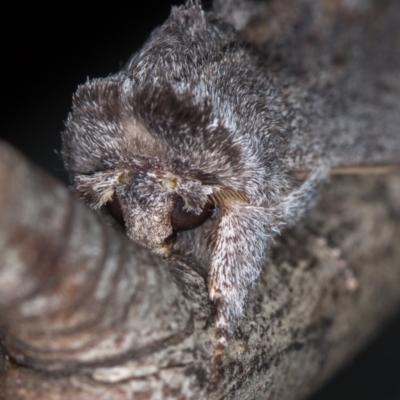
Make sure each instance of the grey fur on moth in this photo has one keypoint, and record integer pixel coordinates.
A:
(194, 115)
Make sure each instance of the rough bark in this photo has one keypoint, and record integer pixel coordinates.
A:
(86, 314)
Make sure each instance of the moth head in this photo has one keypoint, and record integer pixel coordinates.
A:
(150, 162)
(152, 204)
(149, 146)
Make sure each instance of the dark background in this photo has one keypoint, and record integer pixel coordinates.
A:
(46, 51)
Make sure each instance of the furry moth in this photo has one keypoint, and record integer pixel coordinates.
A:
(196, 146)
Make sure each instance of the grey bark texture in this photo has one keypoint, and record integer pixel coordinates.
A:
(87, 314)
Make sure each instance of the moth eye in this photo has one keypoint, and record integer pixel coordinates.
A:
(183, 220)
(114, 208)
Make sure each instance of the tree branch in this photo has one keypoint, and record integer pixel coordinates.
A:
(82, 307)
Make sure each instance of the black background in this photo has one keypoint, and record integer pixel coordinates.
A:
(47, 50)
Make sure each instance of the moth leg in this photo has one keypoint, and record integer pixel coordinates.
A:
(238, 244)
(239, 241)
(297, 203)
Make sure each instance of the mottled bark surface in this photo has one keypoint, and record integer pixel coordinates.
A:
(86, 314)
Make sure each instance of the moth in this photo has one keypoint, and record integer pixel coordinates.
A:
(201, 146)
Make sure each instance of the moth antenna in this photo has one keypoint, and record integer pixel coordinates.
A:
(226, 196)
(357, 170)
